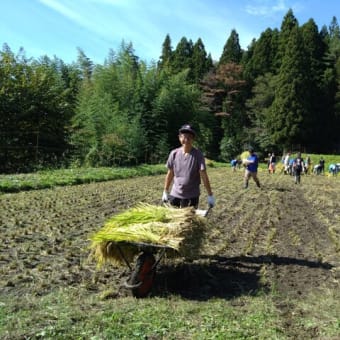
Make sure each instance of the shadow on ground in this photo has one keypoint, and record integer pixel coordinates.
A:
(222, 277)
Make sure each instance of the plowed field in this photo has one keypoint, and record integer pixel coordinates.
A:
(282, 237)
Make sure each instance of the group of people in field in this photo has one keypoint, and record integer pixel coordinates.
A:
(307, 168)
(187, 169)
(293, 165)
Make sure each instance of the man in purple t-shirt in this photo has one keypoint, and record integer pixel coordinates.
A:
(251, 164)
(186, 167)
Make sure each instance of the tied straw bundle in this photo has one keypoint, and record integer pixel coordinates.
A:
(179, 230)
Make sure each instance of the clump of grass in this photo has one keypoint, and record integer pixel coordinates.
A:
(178, 230)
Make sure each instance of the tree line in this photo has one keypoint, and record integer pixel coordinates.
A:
(281, 93)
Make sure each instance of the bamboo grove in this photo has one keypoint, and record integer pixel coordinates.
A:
(281, 93)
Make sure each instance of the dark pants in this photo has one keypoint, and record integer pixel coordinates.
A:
(184, 202)
(297, 175)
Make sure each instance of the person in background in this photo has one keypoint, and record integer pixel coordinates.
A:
(186, 168)
(298, 165)
(322, 165)
(308, 164)
(332, 169)
(286, 163)
(233, 164)
(251, 164)
(291, 170)
(272, 163)
(268, 162)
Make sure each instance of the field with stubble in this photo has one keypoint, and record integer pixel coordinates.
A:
(269, 267)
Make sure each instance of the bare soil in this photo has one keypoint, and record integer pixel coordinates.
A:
(283, 237)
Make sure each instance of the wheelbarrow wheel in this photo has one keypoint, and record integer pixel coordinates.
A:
(143, 276)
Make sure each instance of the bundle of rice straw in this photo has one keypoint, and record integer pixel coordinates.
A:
(181, 231)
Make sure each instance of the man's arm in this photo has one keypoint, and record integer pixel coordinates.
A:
(206, 182)
(168, 180)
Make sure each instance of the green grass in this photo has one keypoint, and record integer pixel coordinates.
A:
(61, 315)
(61, 177)
(66, 314)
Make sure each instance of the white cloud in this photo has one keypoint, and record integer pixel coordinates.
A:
(63, 10)
(266, 8)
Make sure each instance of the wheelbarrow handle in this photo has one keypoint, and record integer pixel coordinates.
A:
(203, 213)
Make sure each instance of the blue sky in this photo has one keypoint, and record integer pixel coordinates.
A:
(58, 27)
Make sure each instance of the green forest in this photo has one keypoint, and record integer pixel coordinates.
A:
(281, 93)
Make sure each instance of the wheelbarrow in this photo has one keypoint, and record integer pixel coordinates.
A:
(142, 275)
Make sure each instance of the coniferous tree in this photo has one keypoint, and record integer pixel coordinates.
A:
(232, 52)
(85, 65)
(287, 117)
(182, 56)
(199, 61)
(258, 105)
(314, 49)
(166, 57)
(289, 22)
(210, 62)
(332, 80)
(264, 54)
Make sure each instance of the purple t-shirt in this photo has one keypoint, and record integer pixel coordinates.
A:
(186, 169)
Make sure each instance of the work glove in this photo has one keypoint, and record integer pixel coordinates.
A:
(211, 201)
(165, 197)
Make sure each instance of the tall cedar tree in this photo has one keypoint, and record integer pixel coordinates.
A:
(288, 23)
(263, 94)
(166, 57)
(318, 114)
(264, 54)
(200, 63)
(332, 74)
(232, 52)
(287, 120)
(182, 57)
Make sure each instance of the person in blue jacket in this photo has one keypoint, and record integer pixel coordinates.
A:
(251, 164)
(233, 164)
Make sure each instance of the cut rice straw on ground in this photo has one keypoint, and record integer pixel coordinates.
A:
(178, 230)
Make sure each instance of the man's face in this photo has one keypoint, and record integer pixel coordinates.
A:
(186, 138)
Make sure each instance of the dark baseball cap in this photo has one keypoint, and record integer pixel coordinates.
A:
(187, 128)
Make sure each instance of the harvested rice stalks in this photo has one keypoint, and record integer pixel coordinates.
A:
(178, 230)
